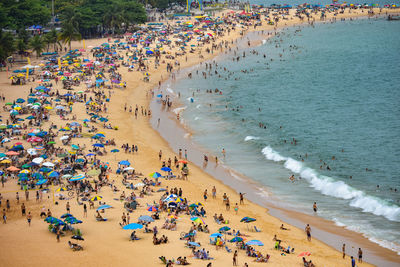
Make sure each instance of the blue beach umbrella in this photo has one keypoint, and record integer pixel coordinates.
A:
(132, 226)
(98, 145)
(194, 244)
(103, 207)
(224, 229)
(125, 162)
(166, 169)
(40, 182)
(215, 235)
(255, 243)
(146, 218)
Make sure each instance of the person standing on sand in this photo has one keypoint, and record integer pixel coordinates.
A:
(214, 192)
(353, 262)
(344, 250)
(236, 208)
(4, 216)
(360, 255)
(84, 210)
(29, 218)
(235, 258)
(205, 195)
(58, 235)
(159, 155)
(308, 232)
(241, 197)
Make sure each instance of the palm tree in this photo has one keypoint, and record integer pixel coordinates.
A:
(37, 44)
(68, 34)
(53, 36)
(21, 46)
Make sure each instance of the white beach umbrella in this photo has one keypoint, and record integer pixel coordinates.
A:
(48, 164)
(38, 160)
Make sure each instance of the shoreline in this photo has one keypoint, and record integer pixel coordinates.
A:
(101, 236)
(325, 230)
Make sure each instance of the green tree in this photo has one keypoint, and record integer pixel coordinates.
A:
(37, 44)
(21, 46)
(68, 34)
(7, 46)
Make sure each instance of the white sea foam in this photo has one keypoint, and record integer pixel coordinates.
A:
(198, 106)
(187, 135)
(264, 41)
(196, 118)
(339, 189)
(237, 177)
(190, 99)
(338, 223)
(386, 244)
(248, 138)
(178, 110)
(170, 90)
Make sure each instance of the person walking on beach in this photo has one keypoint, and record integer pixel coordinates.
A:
(236, 208)
(29, 218)
(84, 210)
(308, 232)
(4, 216)
(205, 195)
(23, 209)
(68, 207)
(344, 250)
(214, 192)
(353, 262)
(360, 255)
(235, 258)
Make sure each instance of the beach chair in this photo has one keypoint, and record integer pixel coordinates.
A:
(228, 249)
(256, 229)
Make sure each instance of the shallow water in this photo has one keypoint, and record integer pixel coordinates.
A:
(335, 87)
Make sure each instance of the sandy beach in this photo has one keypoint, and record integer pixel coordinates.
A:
(105, 243)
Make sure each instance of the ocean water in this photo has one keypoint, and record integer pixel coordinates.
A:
(335, 89)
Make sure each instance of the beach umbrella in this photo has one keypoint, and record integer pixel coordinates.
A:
(96, 198)
(152, 208)
(98, 145)
(77, 177)
(166, 169)
(129, 169)
(132, 226)
(44, 169)
(12, 169)
(146, 218)
(197, 220)
(40, 182)
(247, 220)
(155, 174)
(236, 239)
(66, 176)
(193, 206)
(215, 235)
(38, 176)
(61, 189)
(53, 174)
(66, 215)
(224, 229)
(48, 164)
(38, 160)
(125, 162)
(103, 207)
(255, 243)
(194, 244)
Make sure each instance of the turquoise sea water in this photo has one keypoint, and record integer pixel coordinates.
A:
(335, 88)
